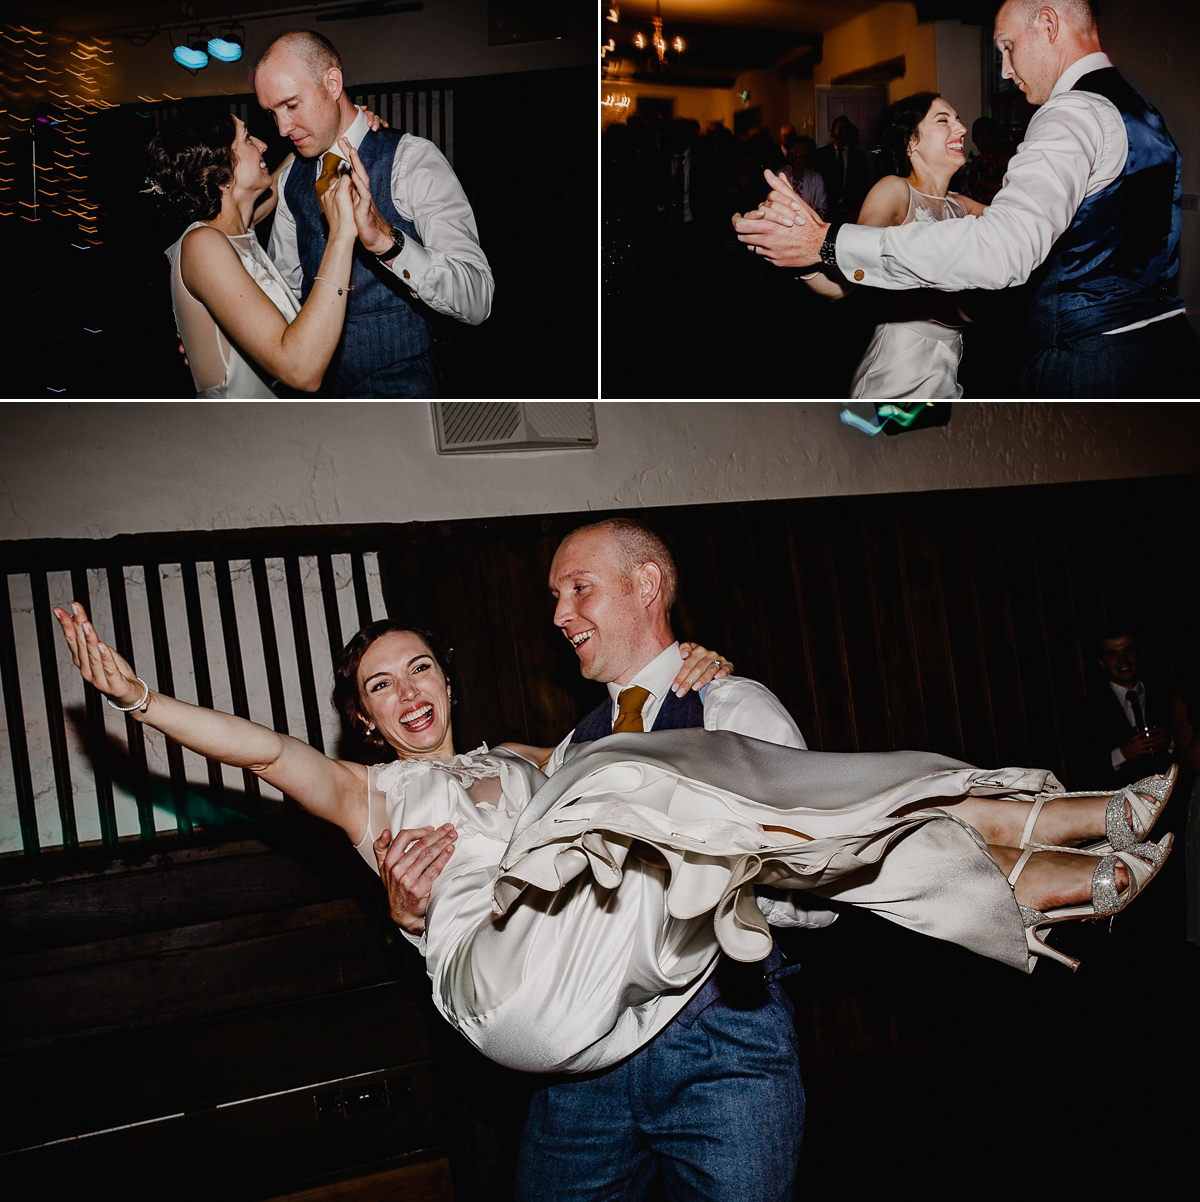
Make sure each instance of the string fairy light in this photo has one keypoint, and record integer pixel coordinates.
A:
(53, 83)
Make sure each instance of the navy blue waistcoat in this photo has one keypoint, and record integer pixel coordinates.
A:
(1117, 263)
(675, 713)
(385, 323)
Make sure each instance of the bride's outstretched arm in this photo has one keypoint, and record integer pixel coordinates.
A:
(331, 789)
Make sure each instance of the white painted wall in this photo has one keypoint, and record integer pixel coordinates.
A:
(97, 470)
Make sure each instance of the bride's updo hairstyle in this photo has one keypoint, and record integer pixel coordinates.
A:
(345, 678)
(191, 157)
(897, 128)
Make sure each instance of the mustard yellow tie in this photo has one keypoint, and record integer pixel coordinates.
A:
(329, 171)
(629, 710)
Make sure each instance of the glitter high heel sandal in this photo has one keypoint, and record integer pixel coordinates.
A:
(1142, 866)
(1122, 833)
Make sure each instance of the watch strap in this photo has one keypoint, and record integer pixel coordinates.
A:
(396, 247)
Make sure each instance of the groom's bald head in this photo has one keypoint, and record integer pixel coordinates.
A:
(1080, 14)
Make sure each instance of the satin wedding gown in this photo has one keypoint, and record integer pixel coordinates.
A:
(552, 948)
(913, 358)
(219, 370)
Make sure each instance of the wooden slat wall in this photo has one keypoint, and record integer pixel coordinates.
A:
(955, 622)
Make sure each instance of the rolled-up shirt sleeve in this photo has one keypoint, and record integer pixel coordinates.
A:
(1076, 145)
(449, 272)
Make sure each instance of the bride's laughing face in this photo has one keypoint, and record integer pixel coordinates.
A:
(405, 696)
(938, 143)
(249, 169)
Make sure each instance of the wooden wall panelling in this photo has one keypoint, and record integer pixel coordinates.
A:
(14, 712)
(165, 679)
(199, 643)
(962, 584)
(889, 630)
(303, 650)
(97, 742)
(121, 637)
(268, 641)
(55, 724)
(833, 727)
(925, 611)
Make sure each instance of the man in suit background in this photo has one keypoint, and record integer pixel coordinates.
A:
(845, 170)
(1129, 727)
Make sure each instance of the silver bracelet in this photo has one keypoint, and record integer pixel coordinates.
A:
(140, 704)
(340, 287)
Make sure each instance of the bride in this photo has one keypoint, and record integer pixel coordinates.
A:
(241, 327)
(916, 352)
(578, 916)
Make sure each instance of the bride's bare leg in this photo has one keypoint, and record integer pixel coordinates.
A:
(1063, 821)
(784, 834)
(1053, 878)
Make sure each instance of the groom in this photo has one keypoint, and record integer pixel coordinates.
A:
(1091, 201)
(419, 251)
(714, 1103)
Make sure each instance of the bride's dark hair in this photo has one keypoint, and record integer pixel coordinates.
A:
(191, 157)
(897, 127)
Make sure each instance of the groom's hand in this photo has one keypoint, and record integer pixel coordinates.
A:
(408, 866)
(783, 229)
(373, 231)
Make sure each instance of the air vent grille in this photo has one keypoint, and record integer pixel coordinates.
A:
(477, 427)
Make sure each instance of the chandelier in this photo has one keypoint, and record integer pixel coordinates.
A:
(657, 39)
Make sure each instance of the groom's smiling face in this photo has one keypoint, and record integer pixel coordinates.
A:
(305, 108)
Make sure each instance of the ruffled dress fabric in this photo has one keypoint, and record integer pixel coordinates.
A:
(553, 948)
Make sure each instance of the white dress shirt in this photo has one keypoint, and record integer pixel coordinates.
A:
(1076, 145)
(1120, 692)
(745, 707)
(450, 272)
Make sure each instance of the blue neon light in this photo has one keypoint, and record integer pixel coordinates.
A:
(185, 56)
(224, 51)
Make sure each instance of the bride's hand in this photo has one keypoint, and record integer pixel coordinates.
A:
(338, 206)
(98, 663)
(700, 666)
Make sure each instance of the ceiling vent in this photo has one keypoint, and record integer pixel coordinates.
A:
(477, 427)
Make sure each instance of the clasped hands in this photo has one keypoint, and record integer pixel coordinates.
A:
(373, 231)
(783, 228)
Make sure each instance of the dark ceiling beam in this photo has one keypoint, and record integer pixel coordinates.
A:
(970, 12)
(889, 69)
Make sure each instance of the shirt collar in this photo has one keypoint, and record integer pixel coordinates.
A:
(1078, 69)
(656, 676)
(354, 135)
(1119, 691)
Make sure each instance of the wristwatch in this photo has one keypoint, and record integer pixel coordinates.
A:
(829, 253)
(386, 256)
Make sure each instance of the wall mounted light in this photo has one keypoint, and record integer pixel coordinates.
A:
(192, 54)
(226, 47)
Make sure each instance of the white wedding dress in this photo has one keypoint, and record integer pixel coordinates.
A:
(553, 949)
(916, 359)
(219, 370)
